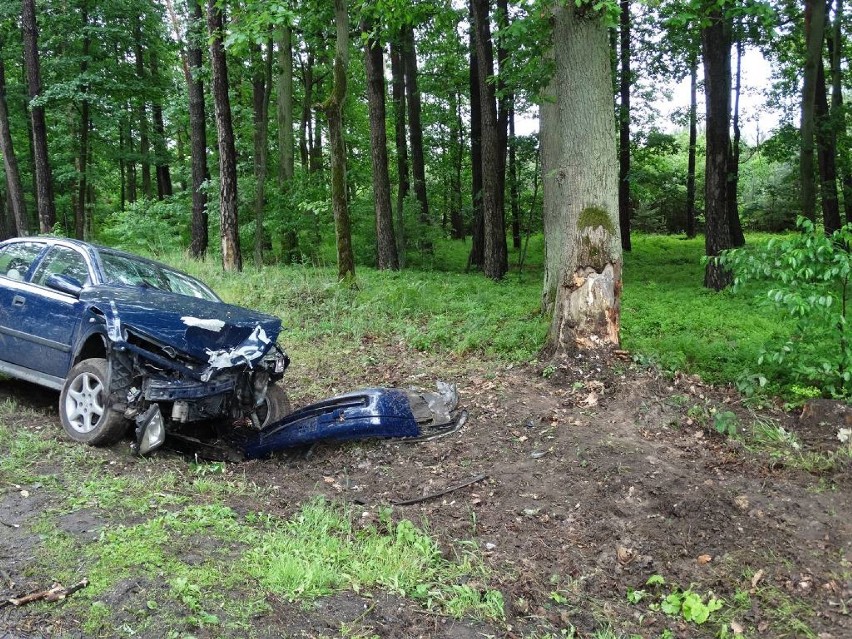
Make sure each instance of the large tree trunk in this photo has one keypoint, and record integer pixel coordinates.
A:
(197, 131)
(625, 80)
(399, 107)
(693, 138)
(285, 105)
(415, 128)
(374, 64)
(826, 153)
(495, 259)
(814, 33)
(736, 228)
(477, 240)
(504, 105)
(231, 256)
(15, 199)
(334, 113)
(716, 49)
(261, 89)
(43, 174)
(582, 279)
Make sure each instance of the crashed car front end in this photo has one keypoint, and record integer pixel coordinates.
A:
(169, 368)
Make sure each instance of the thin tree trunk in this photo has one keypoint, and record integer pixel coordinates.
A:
(15, 198)
(415, 127)
(403, 184)
(495, 263)
(305, 135)
(693, 137)
(164, 174)
(514, 193)
(285, 105)
(826, 153)
(838, 113)
(716, 49)
(625, 80)
(737, 236)
(197, 131)
(814, 33)
(144, 143)
(131, 156)
(375, 68)
(261, 89)
(316, 139)
(456, 142)
(504, 106)
(477, 243)
(334, 113)
(231, 256)
(43, 174)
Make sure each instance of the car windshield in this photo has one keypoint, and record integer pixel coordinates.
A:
(125, 270)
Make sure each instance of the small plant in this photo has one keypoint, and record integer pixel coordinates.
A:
(810, 273)
(725, 423)
(686, 604)
(548, 371)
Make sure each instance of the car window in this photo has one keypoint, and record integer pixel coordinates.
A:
(124, 270)
(63, 261)
(16, 258)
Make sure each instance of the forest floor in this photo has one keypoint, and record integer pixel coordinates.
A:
(600, 475)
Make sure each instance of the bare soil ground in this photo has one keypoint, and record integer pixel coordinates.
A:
(598, 476)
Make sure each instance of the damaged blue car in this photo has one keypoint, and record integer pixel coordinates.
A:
(129, 341)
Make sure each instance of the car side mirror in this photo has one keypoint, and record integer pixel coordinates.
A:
(64, 284)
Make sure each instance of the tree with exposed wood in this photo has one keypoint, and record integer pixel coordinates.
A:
(625, 80)
(374, 64)
(41, 158)
(231, 255)
(583, 260)
(333, 108)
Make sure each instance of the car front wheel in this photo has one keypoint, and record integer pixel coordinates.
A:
(84, 406)
(275, 406)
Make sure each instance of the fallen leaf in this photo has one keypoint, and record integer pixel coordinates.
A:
(591, 400)
(704, 559)
(741, 501)
(736, 628)
(25, 493)
(625, 555)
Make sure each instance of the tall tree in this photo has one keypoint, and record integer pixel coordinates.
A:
(477, 240)
(15, 190)
(838, 111)
(736, 228)
(401, 144)
(375, 68)
(814, 34)
(261, 89)
(415, 126)
(826, 144)
(285, 104)
(85, 124)
(495, 258)
(582, 279)
(161, 160)
(197, 130)
(716, 50)
(624, 81)
(231, 255)
(334, 112)
(43, 173)
(141, 109)
(693, 139)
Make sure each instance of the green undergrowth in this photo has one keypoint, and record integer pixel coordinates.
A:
(668, 317)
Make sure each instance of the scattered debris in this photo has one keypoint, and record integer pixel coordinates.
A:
(57, 592)
(417, 500)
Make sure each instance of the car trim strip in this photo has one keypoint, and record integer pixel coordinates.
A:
(41, 341)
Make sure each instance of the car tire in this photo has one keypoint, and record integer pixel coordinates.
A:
(275, 406)
(84, 408)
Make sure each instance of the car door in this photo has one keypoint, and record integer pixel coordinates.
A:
(50, 319)
(16, 262)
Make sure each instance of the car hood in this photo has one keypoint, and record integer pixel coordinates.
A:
(213, 332)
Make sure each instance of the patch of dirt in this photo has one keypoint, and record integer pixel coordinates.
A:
(599, 475)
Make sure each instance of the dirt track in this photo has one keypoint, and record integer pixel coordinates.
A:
(598, 476)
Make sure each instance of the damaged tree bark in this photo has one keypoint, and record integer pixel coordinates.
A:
(582, 281)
